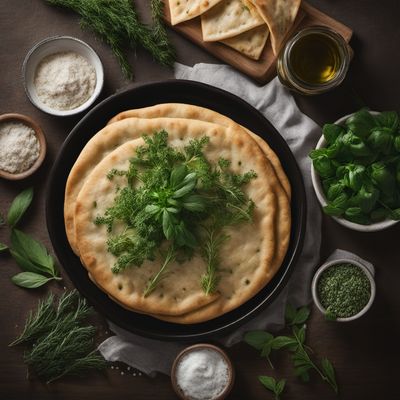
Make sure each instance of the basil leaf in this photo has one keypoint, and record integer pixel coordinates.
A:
(24, 263)
(301, 316)
(388, 119)
(29, 280)
(177, 175)
(3, 247)
(361, 123)
(168, 226)
(257, 339)
(280, 385)
(268, 381)
(32, 250)
(329, 372)
(19, 206)
(290, 313)
(331, 132)
(282, 341)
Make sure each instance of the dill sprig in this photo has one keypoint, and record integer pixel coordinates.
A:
(58, 342)
(177, 196)
(117, 23)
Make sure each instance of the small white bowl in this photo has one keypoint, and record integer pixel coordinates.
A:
(316, 181)
(368, 272)
(58, 44)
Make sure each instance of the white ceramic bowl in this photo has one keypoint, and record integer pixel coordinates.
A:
(53, 45)
(368, 272)
(317, 184)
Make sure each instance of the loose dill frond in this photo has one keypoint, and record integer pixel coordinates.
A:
(117, 23)
(211, 246)
(59, 344)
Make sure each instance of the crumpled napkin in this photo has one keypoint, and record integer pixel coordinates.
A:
(276, 103)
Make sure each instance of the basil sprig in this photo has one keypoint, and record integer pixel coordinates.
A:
(37, 264)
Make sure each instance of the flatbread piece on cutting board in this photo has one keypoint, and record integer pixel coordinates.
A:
(229, 18)
(250, 261)
(250, 43)
(279, 15)
(184, 10)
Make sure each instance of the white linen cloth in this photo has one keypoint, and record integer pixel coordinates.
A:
(301, 134)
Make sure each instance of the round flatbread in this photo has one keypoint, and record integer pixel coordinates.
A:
(246, 265)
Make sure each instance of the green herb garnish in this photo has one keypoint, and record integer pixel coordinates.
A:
(265, 342)
(276, 387)
(343, 290)
(37, 264)
(58, 343)
(18, 207)
(176, 199)
(360, 167)
(118, 24)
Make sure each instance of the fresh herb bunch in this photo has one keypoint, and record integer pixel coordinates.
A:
(118, 24)
(58, 342)
(295, 344)
(37, 264)
(175, 198)
(360, 167)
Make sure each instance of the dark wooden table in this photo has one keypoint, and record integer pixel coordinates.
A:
(365, 352)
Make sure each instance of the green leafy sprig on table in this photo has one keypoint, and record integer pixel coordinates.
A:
(118, 24)
(58, 343)
(175, 202)
(303, 363)
(360, 167)
(37, 264)
(276, 387)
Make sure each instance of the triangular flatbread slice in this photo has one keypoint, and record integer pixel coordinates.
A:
(183, 10)
(279, 15)
(250, 43)
(229, 18)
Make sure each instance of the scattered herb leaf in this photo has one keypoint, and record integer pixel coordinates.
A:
(19, 206)
(3, 247)
(30, 280)
(276, 387)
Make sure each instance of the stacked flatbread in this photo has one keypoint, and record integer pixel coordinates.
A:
(243, 25)
(249, 259)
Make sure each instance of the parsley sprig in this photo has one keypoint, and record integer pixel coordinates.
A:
(300, 353)
(175, 198)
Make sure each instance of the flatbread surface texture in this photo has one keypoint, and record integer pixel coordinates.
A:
(99, 146)
(247, 264)
(250, 43)
(279, 16)
(229, 18)
(184, 10)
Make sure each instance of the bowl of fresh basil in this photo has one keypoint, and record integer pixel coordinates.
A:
(356, 170)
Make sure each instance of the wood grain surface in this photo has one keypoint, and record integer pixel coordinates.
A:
(365, 353)
(264, 69)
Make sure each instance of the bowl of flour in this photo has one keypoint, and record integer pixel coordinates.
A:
(22, 146)
(62, 75)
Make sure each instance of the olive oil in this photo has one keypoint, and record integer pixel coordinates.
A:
(315, 59)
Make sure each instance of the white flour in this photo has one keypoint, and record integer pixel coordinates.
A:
(19, 147)
(64, 81)
(202, 374)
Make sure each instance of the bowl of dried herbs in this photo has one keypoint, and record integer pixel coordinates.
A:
(343, 290)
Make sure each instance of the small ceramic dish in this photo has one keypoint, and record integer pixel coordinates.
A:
(316, 181)
(200, 346)
(369, 272)
(59, 44)
(42, 143)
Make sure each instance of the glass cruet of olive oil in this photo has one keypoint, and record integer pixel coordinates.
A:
(314, 61)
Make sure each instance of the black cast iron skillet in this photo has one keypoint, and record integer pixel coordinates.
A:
(172, 91)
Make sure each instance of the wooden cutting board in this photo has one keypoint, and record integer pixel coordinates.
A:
(264, 69)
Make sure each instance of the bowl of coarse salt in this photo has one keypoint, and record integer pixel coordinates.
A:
(202, 372)
(22, 146)
(62, 75)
